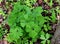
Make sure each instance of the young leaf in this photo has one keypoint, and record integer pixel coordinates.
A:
(45, 28)
(53, 16)
(42, 37)
(47, 36)
(43, 42)
(28, 28)
(33, 33)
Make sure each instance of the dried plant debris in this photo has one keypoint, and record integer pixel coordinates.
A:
(1, 19)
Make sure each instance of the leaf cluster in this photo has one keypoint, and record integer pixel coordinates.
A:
(26, 23)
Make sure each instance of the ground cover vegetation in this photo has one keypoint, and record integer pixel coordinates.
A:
(28, 21)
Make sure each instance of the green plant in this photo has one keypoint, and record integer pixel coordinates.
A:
(1, 33)
(45, 38)
(26, 23)
(50, 3)
(0, 1)
(30, 2)
(1, 12)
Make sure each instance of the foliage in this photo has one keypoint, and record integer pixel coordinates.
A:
(26, 23)
(1, 33)
(1, 12)
(0, 1)
(45, 38)
(30, 2)
(49, 2)
(26, 2)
